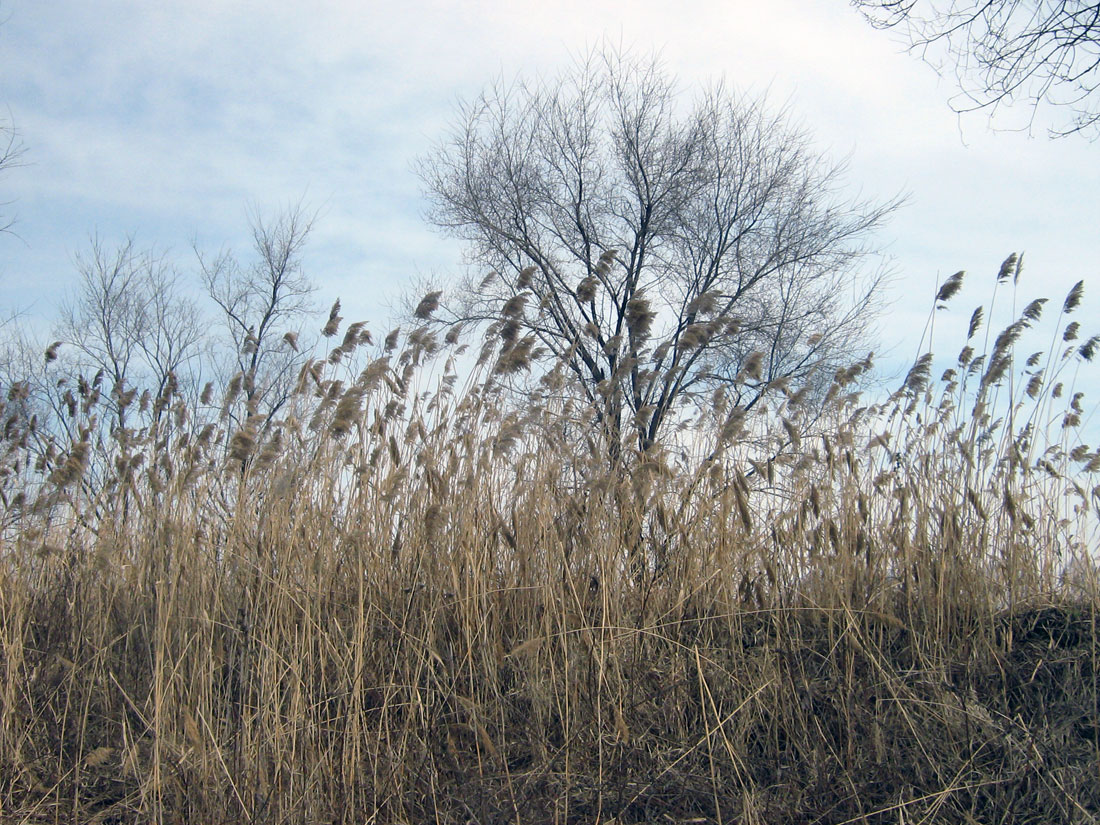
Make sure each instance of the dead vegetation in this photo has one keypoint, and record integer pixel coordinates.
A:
(409, 600)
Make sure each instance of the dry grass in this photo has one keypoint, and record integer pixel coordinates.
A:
(399, 606)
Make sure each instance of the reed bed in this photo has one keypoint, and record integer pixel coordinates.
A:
(411, 599)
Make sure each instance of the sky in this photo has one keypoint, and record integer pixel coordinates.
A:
(168, 122)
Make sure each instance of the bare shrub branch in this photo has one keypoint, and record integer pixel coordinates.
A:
(1002, 52)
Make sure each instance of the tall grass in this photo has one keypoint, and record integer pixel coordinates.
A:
(411, 600)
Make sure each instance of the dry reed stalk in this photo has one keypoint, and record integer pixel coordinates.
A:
(461, 611)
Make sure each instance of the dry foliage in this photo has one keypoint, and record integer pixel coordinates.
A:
(406, 601)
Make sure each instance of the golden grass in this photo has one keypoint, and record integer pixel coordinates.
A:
(399, 606)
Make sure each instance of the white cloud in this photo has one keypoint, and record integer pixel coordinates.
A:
(168, 119)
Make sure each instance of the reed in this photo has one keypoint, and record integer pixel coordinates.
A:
(412, 600)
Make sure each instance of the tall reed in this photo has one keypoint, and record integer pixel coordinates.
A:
(411, 600)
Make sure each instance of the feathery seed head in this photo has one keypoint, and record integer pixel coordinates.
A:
(347, 411)
(374, 371)
(639, 317)
(514, 306)
(917, 379)
(1009, 335)
(352, 337)
(975, 322)
(1034, 385)
(526, 276)
(1073, 299)
(998, 368)
(509, 331)
(703, 304)
(754, 365)
(428, 304)
(586, 290)
(423, 341)
(271, 450)
(694, 336)
(334, 318)
(517, 357)
(242, 444)
(950, 287)
(1033, 310)
(390, 344)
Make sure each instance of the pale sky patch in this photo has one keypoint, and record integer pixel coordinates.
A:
(168, 121)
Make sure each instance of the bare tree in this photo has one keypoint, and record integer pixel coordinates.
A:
(125, 350)
(11, 150)
(131, 323)
(659, 248)
(263, 305)
(1002, 52)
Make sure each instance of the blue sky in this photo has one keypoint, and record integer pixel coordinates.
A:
(167, 121)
